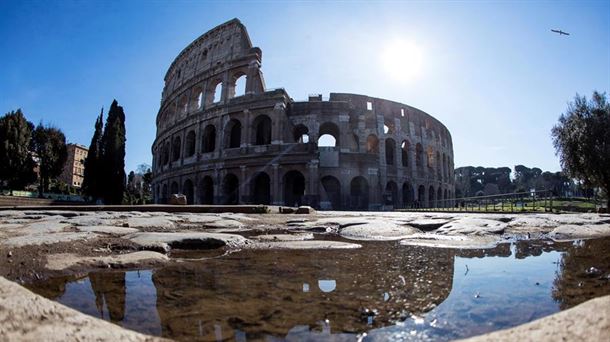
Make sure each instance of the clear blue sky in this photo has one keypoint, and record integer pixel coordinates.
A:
(492, 72)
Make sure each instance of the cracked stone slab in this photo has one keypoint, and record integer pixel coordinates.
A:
(309, 244)
(380, 231)
(47, 239)
(450, 241)
(48, 226)
(284, 237)
(187, 240)
(472, 226)
(151, 222)
(429, 223)
(58, 262)
(571, 231)
(107, 230)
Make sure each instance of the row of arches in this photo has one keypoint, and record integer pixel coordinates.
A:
(293, 184)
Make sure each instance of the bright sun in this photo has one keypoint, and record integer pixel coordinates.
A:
(402, 60)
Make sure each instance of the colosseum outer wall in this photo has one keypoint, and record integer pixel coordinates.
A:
(222, 138)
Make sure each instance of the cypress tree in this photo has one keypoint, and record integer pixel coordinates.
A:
(92, 177)
(113, 156)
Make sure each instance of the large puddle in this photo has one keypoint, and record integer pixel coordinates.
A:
(382, 291)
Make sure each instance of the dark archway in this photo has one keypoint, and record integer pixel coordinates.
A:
(261, 189)
(359, 192)
(419, 155)
(174, 188)
(328, 129)
(294, 188)
(206, 190)
(230, 189)
(332, 187)
(391, 194)
(233, 134)
(165, 158)
(407, 195)
(390, 151)
(176, 149)
(421, 196)
(188, 191)
(431, 197)
(439, 198)
(262, 130)
(404, 147)
(301, 134)
(190, 144)
(164, 194)
(208, 143)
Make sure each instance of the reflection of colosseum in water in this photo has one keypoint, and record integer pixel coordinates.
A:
(219, 144)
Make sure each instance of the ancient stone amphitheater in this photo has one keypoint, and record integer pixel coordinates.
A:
(223, 138)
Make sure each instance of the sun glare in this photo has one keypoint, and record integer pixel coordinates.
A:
(402, 60)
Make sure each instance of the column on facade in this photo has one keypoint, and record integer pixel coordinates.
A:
(277, 123)
(246, 129)
(275, 185)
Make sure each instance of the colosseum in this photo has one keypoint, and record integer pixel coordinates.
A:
(224, 138)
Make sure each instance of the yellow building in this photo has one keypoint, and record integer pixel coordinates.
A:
(74, 169)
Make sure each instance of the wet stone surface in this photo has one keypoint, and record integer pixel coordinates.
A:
(385, 290)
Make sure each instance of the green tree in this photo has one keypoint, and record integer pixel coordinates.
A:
(92, 176)
(17, 167)
(49, 143)
(113, 156)
(582, 141)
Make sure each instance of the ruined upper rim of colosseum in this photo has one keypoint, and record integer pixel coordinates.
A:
(223, 138)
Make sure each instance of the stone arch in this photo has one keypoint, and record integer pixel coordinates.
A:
(430, 157)
(301, 134)
(233, 134)
(331, 129)
(332, 189)
(372, 144)
(421, 196)
(404, 153)
(183, 105)
(176, 149)
(230, 189)
(419, 155)
(431, 197)
(164, 194)
(390, 151)
(261, 130)
(238, 84)
(261, 188)
(407, 195)
(206, 190)
(208, 143)
(391, 194)
(196, 98)
(214, 92)
(359, 192)
(294, 188)
(217, 95)
(189, 191)
(165, 158)
(174, 188)
(189, 144)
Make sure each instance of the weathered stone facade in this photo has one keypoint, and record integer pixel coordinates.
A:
(219, 146)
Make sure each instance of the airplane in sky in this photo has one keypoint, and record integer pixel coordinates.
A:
(560, 32)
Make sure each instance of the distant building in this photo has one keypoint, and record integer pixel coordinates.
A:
(74, 169)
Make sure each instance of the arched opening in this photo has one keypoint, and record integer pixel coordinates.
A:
(372, 144)
(206, 190)
(329, 135)
(183, 104)
(176, 149)
(332, 191)
(188, 191)
(294, 188)
(261, 189)
(164, 194)
(196, 99)
(233, 134)
(390, 151)
(421, 196)
(439, 198)
(359, 192)
(419, 155)
(445, 198)
(301, 134)
(407, 195)
(165, 158)
(230, 189)
(431, 197)
(217, 94)
(391, 194)
(209, 139)
(404, 147)
(240, 86)
(262, 130)
(190, 144)
(430, 155)
(389, 128)
(174, 188)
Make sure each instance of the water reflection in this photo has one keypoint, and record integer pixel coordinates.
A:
(384, 289)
